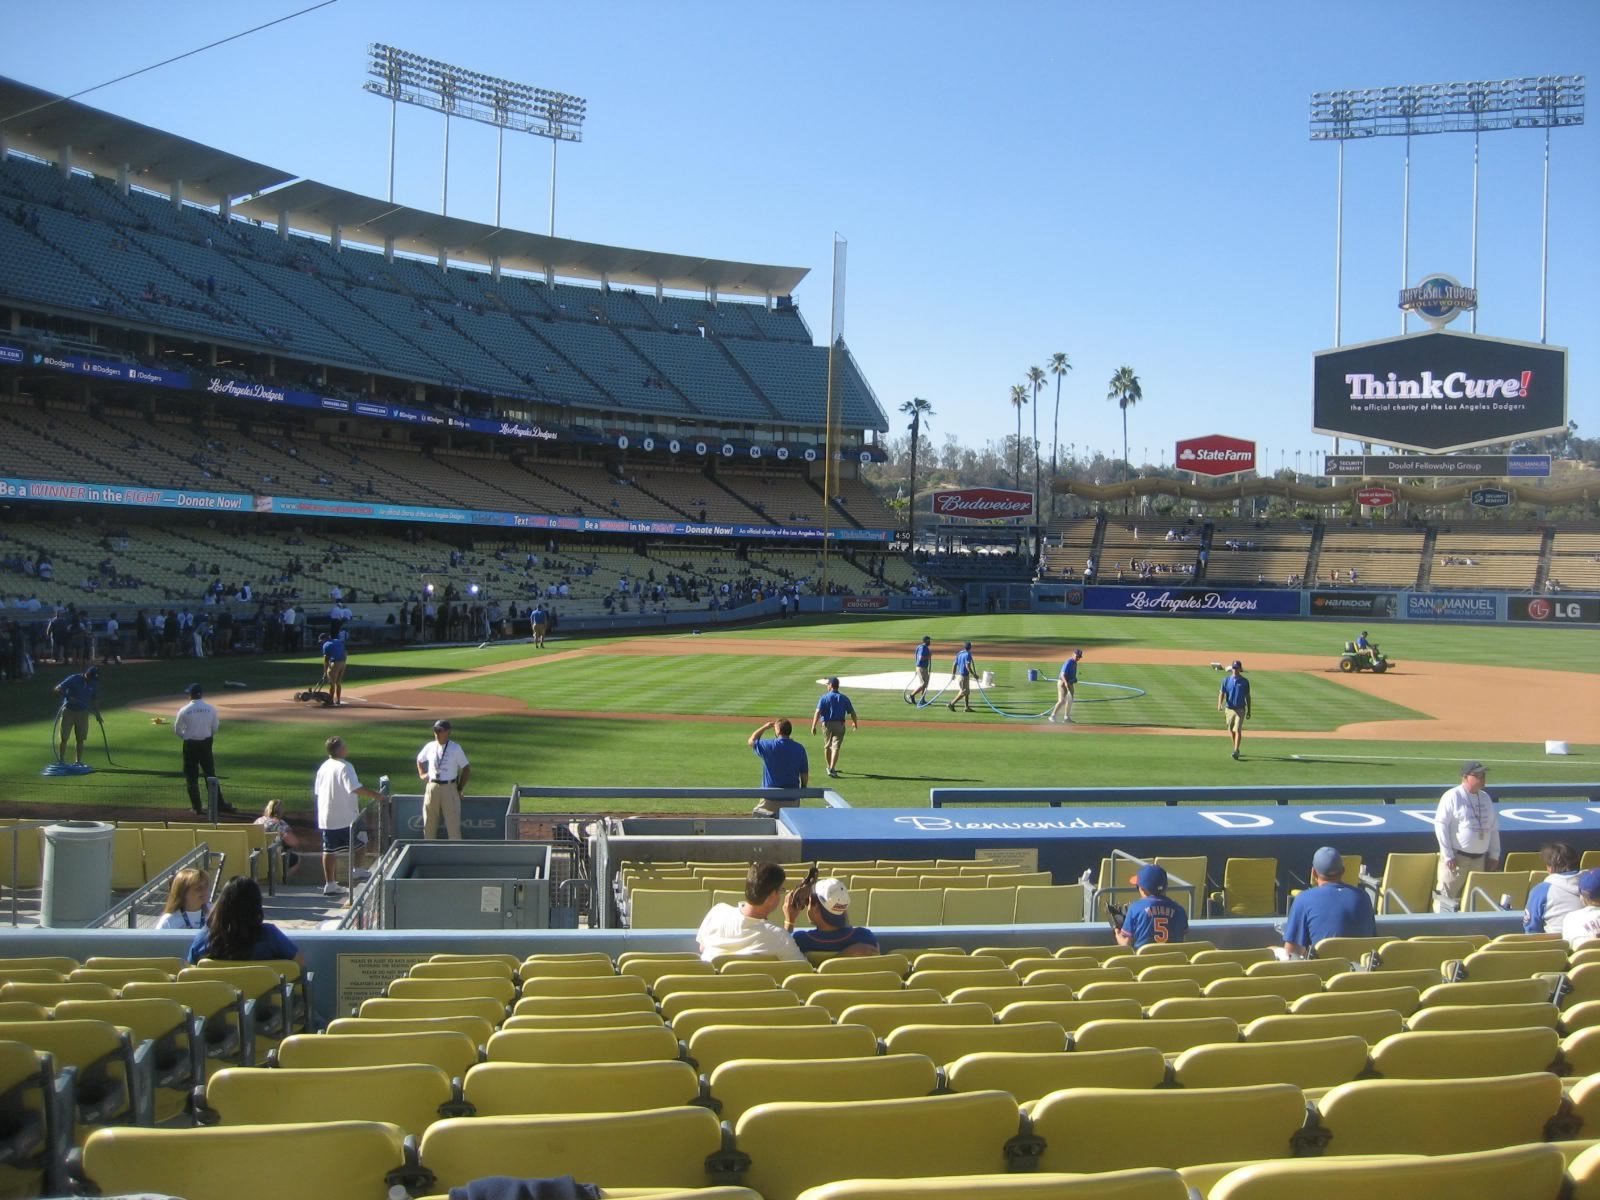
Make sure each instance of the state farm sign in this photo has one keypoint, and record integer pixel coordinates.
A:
(983, 504)
(1375, 497)
(1216, 454)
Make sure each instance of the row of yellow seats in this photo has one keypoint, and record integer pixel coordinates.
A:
(1231, 1144)
(140, 853)
(982, 902)
(917, 878)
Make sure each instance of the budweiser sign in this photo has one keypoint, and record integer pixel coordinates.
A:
(983, 504)
(1375, 497)
(1216, 454)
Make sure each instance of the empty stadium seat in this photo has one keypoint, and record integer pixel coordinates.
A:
(1457, 1054)
(946, 1043)
(1313, 1063)
(1028, 1076)
(644, 1044)
(717, 1044)
(411, 1096)
(506, 1089)
(1450, 1116)
(1516, 1173)
(453, 1053)
(1170, 1037)
(1148, 1184)
(690, 1021)
(740, 1084)
(1373, 1027)
(883, 1019)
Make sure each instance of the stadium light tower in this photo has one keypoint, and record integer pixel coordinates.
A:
(1533, 102)
(400, 76)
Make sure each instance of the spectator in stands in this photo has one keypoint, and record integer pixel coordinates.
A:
(80, 696)
(1468, 831)
(188, 898)
(236, 931)
(1152, 917)
(1583, 924)
(1556, 895)
(783, 763)
(1234, 698)
(833, 709)
(743, 929)
(1330, 907)
(827, 905)
(336, 787)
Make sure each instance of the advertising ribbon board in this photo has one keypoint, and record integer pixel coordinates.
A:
(1354, 604)
(982, 504)
(1192, 602)
(1555, 610)
(1457, 606)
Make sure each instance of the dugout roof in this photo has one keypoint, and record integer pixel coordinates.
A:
(104, 143)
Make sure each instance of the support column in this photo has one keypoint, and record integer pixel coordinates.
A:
(122, 180)
(177, 193)
(658, 292)
(444, 259)
(494, 268)
(336, 238)
(283, 224)
(225, 207)
(64, 162)
(388, 249)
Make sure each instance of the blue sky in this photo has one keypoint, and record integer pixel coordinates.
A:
(1128, 183)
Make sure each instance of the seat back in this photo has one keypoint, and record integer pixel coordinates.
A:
(1242, 1009)
(686, 1024)
(946, 1043)
(1069, 1014)
(680, 1002)
(837, 1002)
(1466, 1053)
(666, 985)
(1061, 904)
(1144, 991)
(1495, 891)
(450, 1051)
(163, 847)
(1520, 1173)
(859, 981)
(889, 909)
(387, 1008)
(873, 963)
(1104, 1129)
(661, 1147)
(349, 1159)
(645, 1044)
(1201, 973)
(946, 982)
(473, 969)
(717, 1044)
(667, 908)
(929, 1136)
(1486, 1016)
(883, 1019)
(1314, 1063)
(1028, 1076)
(1407, 884)
(1250, 887)
(980, 906)
(531, 1006)
(740, 1084)
(408, 1095)
(1443, 1116)
(584, 985)
(1484, 966)
(1499, 991)
(505, 1089)
(588, 1021)
(475, 1028)
(1170, 1037)
(1372, 1027)
(1404, 1000)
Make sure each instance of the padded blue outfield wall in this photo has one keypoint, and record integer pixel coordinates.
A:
(1070, 841)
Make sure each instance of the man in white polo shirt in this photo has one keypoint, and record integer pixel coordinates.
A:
(336, 788)
(443, 767)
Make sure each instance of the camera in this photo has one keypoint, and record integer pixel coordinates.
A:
(803, 893)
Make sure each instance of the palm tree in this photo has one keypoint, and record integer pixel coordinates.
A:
(1059, 366)
(1035, 380)
(1019, 397)
(918, 410)
(1126, 391)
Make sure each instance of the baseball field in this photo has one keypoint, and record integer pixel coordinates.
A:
(675, 709)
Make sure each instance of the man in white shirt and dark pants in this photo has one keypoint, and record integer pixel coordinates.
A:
(196, 726)
(1468, 830)
(337, 785)
(443, 767)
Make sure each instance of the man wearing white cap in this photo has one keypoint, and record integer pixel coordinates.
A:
(1330, 907)
(1468, 831)
(827, 904)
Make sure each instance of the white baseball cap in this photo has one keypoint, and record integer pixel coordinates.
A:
(833, 896)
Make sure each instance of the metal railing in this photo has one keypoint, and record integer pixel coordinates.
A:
(149, 900)
(1175, 883)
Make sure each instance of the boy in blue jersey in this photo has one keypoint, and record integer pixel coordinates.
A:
(1330, 907)
(963, 671)
(1152, 917)
(832, 710)
(924, 663)
(828, 907)
(1556, 895)
(783, 763)
(1066, 690)
(1234, 698)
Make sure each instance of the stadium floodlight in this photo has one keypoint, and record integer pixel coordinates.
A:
(1472, 106)
(402, 77)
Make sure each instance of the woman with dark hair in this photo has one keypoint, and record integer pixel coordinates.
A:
(236, 932)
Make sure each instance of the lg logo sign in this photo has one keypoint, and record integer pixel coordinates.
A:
(1566, 610)
(1560, 610)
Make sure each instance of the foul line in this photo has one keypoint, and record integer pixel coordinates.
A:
(1553, 760)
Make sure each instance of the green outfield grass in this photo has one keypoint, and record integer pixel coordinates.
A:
(899, 754)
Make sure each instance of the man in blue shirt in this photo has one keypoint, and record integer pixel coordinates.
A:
(1553, 897)
(963, 671)
(1152, 917)
(924, 662)
(1330, 907)
(828, 907)
(540, 622)
(832, 709)
(1234, 698)
(783, 763)
(79, 697)
(335, 659)
(1066, 690)
(1362, 643)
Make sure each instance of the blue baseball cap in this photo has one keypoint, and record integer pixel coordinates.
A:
(1327, 861)
(1151, 878)
(1589, 883)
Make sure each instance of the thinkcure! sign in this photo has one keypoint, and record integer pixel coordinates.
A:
(1375, 497)
(1216, 454)
(983, 504)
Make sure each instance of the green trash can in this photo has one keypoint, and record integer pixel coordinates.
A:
(77, 873)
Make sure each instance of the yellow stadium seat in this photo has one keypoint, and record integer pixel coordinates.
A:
(1404, 1000)
(385, 1008)
(850, 964)
(585, 985)
(883, 1019)
(349, 1159)
(1242, 1009)
(888, 909)
(1499, 991)
(1484, 891)
(1104, 1129)
(1286, 987)
(1298, 1027)
(946, 1043)
(652, 969)
(1419, 954)
(551, 1006)
(714, 1045)
(1438, 1116)
(582, 1045)
(1077, 977)
(980, 906)
(946, 982)
(687, 1023)
(1145, 992)
(1581, 1052)
(504, 1089)
(999, 997)
(858, 981)
(1201, 973)
(681, 1002)
(1050, 904)
(741, 1084)
(954, 960)
(660, 1147)
(634, 1020)
(37, 1140)
(666, 985)
(1465, 1053)
(584, 966)
(1486, 965)
(938, 1136)
(661, 907)
(1245, 958)
(1069, 1014)
(452, 1052)
(1358, 981)
(1149, 1184)
(412, 1096)
(111, 1083)
(467, 969)
(1249, 888)
(1322, 967)
(1029, 1076)
(475, 1028)
(228, 1022)
(1581, 1016)
(1485, 1016)
(1169, 1037)
(1406, 887)
(1517, 1173)
(496, 988)
(176, 1048)
(1314, 1063)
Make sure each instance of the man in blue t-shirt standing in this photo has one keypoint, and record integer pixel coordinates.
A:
(80, 696)
(1234, 699)
(1152, 917)
(963, 671)
(1066, 690)
(1329, 908)
(783, 763)
(923, 664)
(832, 710)
(539, 621)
